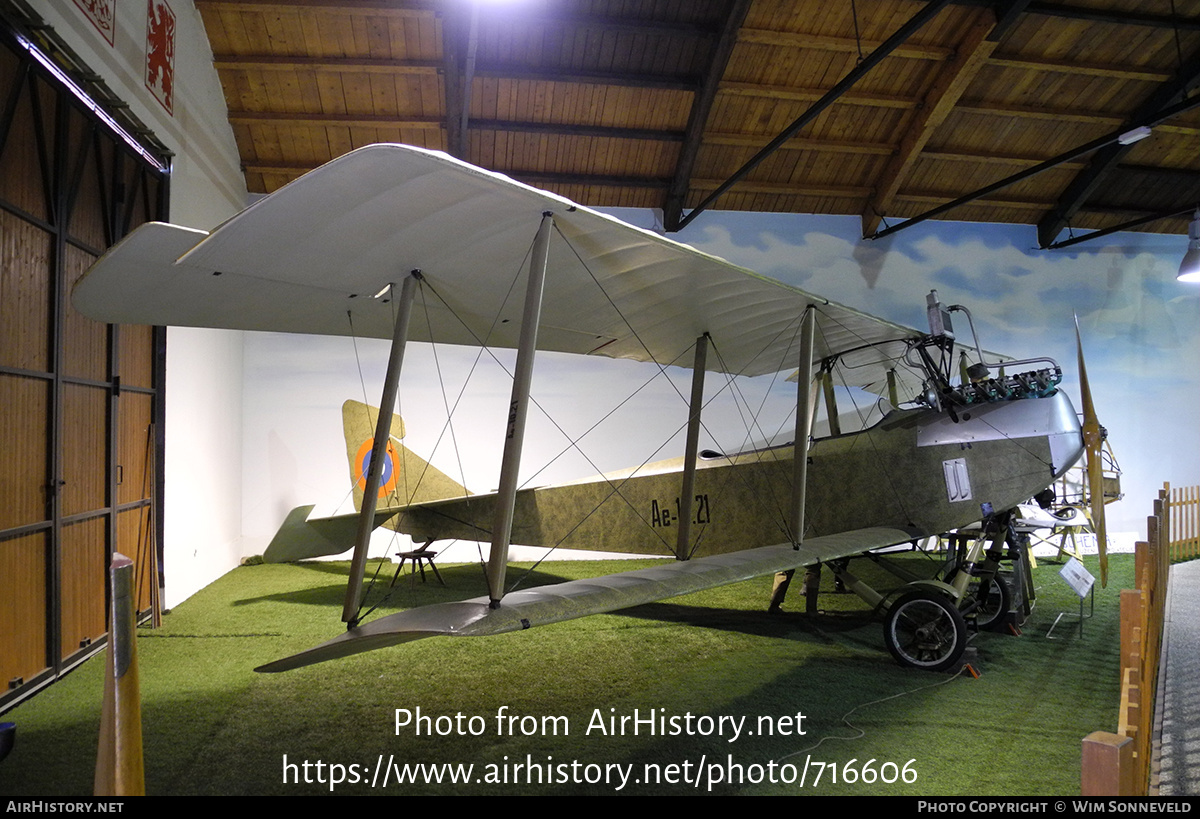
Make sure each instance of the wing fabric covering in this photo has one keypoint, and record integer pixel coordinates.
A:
(579, 598)
(323, 246)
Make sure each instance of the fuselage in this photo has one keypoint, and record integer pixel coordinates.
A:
(919, 469)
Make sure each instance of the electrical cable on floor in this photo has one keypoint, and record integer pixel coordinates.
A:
(861, 732)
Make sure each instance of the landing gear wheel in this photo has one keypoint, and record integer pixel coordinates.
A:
(925, 630)
(993, 604)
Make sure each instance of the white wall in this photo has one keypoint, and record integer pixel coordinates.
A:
(204, 368)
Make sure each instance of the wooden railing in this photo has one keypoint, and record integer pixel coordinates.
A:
(1185, 522)
(1119, 764)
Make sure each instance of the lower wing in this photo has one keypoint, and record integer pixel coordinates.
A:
(580, 598)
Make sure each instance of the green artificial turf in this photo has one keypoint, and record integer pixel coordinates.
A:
(214, 726)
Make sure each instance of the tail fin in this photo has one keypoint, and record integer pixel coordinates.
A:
(407, 477)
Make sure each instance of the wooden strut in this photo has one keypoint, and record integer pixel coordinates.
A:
(687, 491)
(506, 495)
(804, 420)
(383, 433)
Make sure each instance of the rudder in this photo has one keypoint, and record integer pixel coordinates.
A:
(407, 477)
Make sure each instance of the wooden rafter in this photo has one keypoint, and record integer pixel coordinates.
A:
(1114, 17)
(843, 45)
(1105, 159)
(436, 123)
(365, 65)
(701, 107)
(454, 47)
(794, 94)
(647, 103)
(952, 80)
(898, 38)
(375, 8)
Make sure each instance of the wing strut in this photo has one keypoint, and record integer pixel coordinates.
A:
(506, 495)
(684, 536)
(383, 432)
(805, 405)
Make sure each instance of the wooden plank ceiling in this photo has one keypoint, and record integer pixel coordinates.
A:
(657, 103)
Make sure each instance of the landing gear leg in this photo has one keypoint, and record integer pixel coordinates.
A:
(779, 591)
(812, 585)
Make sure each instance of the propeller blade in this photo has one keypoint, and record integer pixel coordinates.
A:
(1092, 440)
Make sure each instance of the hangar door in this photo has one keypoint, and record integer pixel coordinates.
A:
(79, 401)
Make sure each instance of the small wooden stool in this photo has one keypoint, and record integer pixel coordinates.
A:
(419, 558)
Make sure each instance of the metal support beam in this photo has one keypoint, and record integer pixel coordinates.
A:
(702, 105)
(973, 50)
(1111, 138)
(804, 416)
(383, 433)
(683, 541)
(874, 58)
(518, 408)
(1102, 163)
(1130, 225)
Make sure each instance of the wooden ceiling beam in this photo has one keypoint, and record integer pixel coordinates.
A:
(374, 8)
(618, 80)
(928, 197)
(435, 123)
(600, 23)
(426, 8)
(785, 93)
(1119, 18)
(291, 168)
(604, 181)
(358, 65)
(455, 32)
(1189, 174)
(1116, 72)
(801, 144)
(843, 45)
(1027, 112)
(744, 186)
(366, 65)
(1095, 146)
(974, 48)
(568, 129)
(346, 120)
(1102, 162)
(898, 38)
(702, 103)
(993, 159)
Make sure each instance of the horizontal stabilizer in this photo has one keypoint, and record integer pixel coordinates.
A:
(580, 598)
(303, 538)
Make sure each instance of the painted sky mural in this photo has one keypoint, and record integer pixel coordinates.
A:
(1141, 333)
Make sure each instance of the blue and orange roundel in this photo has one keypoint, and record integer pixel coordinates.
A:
(391, 468)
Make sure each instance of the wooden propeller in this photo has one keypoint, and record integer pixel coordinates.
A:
(1093, 438)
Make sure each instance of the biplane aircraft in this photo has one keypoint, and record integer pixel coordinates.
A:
(351, 247)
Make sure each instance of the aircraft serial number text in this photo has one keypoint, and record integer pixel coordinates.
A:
(661, 514)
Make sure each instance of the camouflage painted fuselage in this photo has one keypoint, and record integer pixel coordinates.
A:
(916, 469)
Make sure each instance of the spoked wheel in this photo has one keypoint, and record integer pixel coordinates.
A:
(925, 630)
(993, 604)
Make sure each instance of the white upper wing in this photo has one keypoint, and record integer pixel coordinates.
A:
(310, 257)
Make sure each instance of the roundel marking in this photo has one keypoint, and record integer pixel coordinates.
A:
(391, 468)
